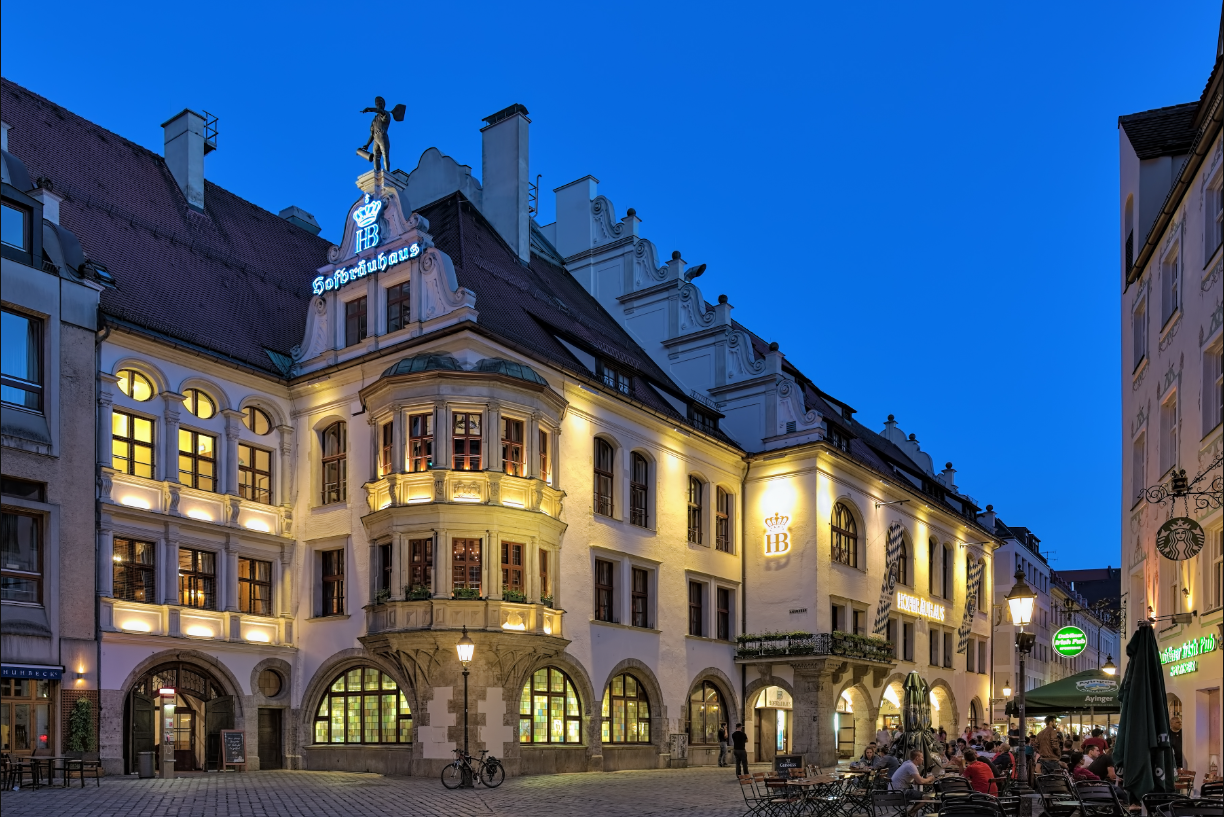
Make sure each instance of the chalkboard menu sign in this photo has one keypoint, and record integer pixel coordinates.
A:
(784, 763)
(233, 748)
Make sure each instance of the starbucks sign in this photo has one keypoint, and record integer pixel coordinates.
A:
(1180, 538)
(1069, 641)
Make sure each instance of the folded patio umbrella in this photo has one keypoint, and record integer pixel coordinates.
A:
(1143, 755)
(916, 722)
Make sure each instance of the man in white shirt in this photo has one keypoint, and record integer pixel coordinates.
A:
(883, 739)
(907, 778)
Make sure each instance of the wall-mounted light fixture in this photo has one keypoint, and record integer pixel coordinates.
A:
(894, 502)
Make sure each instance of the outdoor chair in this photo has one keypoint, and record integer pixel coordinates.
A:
(1058, 797)
(857, 794)
(889, 804)
(1001, 784)
(1198, 807)
(1213, 789)
(1154, 802)
(953, 784)
(1185, 782)
(1099, 799)
(974, 803)
(758, 805)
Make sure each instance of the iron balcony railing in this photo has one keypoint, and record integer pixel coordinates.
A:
(765, 645)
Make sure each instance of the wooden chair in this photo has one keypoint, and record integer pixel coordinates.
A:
(1185, 782)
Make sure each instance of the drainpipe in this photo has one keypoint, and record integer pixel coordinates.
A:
(99, 338)
(744, 587)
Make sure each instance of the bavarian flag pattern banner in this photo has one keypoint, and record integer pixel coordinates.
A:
(973, 585)
(892, 554)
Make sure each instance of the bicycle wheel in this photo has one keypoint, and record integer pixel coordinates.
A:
(493, 775)
(452, 775)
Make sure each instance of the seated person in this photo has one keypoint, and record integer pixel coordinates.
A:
(908, 778)
(1079, 767)
(979, 774)
(952, 761)
(1004, 761)
(885, 761)
(868, 757)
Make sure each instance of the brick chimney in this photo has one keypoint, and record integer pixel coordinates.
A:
(505, 177)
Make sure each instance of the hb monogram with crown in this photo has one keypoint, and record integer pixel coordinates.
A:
(777, 539)
(366, 217)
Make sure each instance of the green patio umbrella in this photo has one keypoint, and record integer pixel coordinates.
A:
(1091, 690)
(1143, 754)
(916, 722)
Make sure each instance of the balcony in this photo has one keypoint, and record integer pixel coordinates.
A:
(470, 487)
(173, 499)
(845, 645)
(491, 615)
(188, 622)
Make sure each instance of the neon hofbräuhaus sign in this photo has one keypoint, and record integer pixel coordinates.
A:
(367, 236)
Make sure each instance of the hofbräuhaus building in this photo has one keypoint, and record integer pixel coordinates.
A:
(320, 464)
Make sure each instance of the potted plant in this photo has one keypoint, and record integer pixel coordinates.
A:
(417, 592)
(547, 601)
(81, 737)
(382, 596)
(465, 593)
(513, 595)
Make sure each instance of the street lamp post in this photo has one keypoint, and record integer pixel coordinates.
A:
(1021, 601)
(466, 649)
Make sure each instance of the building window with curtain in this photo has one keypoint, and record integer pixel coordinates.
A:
(21, 577)
(694, 510)
(640, 597)
(512, 447)
(626, 711)
(21, 353)
(465, 566)
(605, 459)
(638, 497)
(545, 462)
(255, 587)
(197, 578)
(696, 618)
(363, 705)
(354, 321)
(465, 438)
(844, 534)
(420, 564)
(132, 444)
(332, 575)
(399, 302)
(545, 582)
(549, 709)
(512, 569)
(705, 714)
(255, 474)
(604, 590)
(335, 463)
(197, 459)
(722, 521)
(420, 442)
(386, 448)
(134, 563)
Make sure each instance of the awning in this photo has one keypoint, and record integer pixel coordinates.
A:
(1090, 690)
(41, 672)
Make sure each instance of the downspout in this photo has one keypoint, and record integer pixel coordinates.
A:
(99, 338)
(744, 587)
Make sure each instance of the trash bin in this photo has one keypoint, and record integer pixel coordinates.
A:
(144, 764)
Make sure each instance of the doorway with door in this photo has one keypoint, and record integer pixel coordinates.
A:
(271, 753)
(201, 709)
(772, 732)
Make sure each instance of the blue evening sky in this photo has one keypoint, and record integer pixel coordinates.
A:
(918, 201)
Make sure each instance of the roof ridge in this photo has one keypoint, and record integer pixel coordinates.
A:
(1154, 111)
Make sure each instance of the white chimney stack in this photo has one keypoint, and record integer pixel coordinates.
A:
(505, 177)
(185, 148)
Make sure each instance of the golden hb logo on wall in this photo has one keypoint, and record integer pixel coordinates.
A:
(777, 539)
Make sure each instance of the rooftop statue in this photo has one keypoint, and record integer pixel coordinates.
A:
(381, 155)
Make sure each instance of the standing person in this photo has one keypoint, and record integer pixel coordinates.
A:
(883, 739)
(1096, 740)
(1049, 747)
(907, 778)
(739, 747)
(1175, 740)
(722, 744)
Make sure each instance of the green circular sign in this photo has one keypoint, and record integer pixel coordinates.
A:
(1069, 641)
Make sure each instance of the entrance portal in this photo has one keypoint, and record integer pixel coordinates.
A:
(270, 754)
(201, 711)
(773, 724)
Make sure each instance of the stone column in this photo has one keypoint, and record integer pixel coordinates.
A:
(491, 565)
(283, 587)
(554, 456)
(283, 479)
(814, 705)
(170, 445)
(492, 435)
(442, 436)
(399, 441)
(106, 559)
(233, 428)
(169, 566)
(231, 574)
(106, 397)
(442, 565)
(375, 446)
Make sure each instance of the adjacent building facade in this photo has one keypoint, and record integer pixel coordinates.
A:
(1171, 228)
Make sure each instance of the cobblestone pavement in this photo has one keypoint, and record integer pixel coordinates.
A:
(700, 792)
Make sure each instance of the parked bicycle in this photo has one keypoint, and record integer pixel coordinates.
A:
(486, 770)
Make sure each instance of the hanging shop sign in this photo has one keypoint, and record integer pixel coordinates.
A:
(1191, 649)
(777, 536)
(1180, 538)
(1069, 641)
(921, 607)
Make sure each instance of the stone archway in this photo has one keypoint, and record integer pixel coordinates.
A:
(751, 717)
(643, 674)
(944, 712)
(854, 704)
(888, 708)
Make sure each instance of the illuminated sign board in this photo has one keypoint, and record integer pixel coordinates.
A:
(1183, 668)
(1069, 641)
(367, 237)
(921, 607)
(366, 217)
(1193, 647)
(777, 538)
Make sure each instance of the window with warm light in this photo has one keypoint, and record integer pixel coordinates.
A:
(131, 444)
(386, 448)
(22, 558)
(197, 459)
(331, 574)
(512, 447)
(335, 463)
(255, 474)
(465, 565)
(512, 567)
(363, 705)
(705, 714)
(420, 563)
(254, 587)
(135, 385)
(197, 576)
(198, 403)
(843, 531)
(257, 420)
(420, 442)
(25, 712)
(549, 709)
(465, 440)
(134, 570)
(626, 711)
(545, 461)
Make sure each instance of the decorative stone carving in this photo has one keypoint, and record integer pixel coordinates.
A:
(173, 496)
(791, 409)
(742, 361)
(1172, 333)
(106, 483)
(647, 270)
(693, 312)
(607, 227)
(466, 490)
(318, 339)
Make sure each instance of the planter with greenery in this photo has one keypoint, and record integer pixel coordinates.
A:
(417, 592)
(547, 601)
(465, 593)
(870, 647)
(81, 736)
(512, 595)
(382, 596)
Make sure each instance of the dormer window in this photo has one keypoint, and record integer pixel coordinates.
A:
(703, 420)
(614, 378)
(15, 227)
(838, 439)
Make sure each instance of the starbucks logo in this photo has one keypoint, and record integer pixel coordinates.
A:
(1180, 538)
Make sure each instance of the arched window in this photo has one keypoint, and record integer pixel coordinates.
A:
(974, 717)
(549, 710)
(257, 420)
(901, 571)
(135, 385)
(335, 466)
(604, 466)
(626, 711)
(705, 714)
(845, 536)
(200, 404)
(639, 513)
(934, 553)
(363, 705)
(694, 510)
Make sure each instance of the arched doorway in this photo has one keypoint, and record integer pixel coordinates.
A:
(943, 710)
(890, 707)
(772, 736)
(202, 708)
(854, 722)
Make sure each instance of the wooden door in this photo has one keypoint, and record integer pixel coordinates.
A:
(142, 727)
(768, 720)
(218, 715)
(270, 756)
